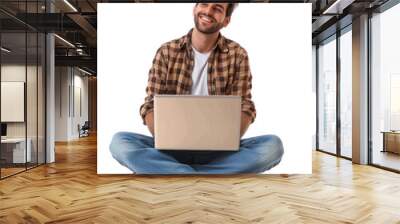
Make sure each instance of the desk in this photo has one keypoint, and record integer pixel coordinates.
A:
(15, 148)
(391, 141)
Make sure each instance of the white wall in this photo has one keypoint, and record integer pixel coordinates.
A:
(61, 103)
(33, 127)
(80, 83)
(14, 73)
(17, 72)
(68, 81)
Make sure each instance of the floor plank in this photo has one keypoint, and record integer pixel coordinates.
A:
(70, 191)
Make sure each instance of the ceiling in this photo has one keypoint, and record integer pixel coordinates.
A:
(76, 22)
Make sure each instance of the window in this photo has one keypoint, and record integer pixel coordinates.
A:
(327, 96)
(346, 93)
(385, 88)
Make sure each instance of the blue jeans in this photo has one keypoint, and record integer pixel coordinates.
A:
(137, 152)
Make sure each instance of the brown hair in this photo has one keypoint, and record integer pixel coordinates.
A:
(230, 8)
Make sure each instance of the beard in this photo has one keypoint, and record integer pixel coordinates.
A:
(215, 26)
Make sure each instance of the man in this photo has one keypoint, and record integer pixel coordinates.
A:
(203, 62)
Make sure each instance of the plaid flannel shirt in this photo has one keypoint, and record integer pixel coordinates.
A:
(228, 72)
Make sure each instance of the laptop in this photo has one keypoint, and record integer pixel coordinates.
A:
(187, 122)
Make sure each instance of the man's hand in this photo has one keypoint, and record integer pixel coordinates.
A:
(150, 122)
(245, 123)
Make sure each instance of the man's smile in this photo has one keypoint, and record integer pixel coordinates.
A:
(206, 19)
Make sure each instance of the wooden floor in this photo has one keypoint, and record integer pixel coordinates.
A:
(10, 171)
(70, 191)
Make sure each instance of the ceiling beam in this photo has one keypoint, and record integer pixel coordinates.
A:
(337, 6)
(85, 61)
(317, 25)
(83, 23)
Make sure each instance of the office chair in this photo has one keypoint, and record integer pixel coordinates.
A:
(84, 130)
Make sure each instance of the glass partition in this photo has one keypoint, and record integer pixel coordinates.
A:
(32, 95)
(327, 96)
(22, 63)
(346, 93)
(41, 109)
(13, 109)
(385, 89)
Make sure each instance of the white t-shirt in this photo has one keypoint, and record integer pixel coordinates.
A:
(199, 75)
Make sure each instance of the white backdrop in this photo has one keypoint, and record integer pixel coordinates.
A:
(277, 38)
